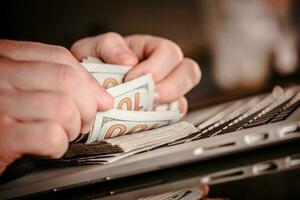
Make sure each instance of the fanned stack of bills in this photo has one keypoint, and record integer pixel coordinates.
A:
(133, 112)
(133, 103)
(111, 150)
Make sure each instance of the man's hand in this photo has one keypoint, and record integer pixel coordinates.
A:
(46, 100)
(174, 75)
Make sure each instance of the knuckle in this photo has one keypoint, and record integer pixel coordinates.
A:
(109, 37)
(5, 122)
(5, 99)
(194, 70)
(66, 107)
(56, 140)
(67, 76)
(173, 48)
(62, 53)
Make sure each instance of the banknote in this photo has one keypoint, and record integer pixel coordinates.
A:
(117, 122)
(91, 59)
(134, 95)
(134, 108)
(111, 75)
(173, 106)
(108, 75)
(116, 148)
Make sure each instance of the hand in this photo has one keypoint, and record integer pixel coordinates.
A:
(174, 75)
(46, 100)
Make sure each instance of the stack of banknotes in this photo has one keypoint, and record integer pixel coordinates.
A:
(134, 124)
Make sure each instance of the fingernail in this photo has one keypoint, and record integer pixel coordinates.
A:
(86, 129)
(125, 58)
(106, 101)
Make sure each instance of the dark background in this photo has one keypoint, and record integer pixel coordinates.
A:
(63, 22)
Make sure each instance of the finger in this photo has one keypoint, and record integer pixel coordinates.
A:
(34, 51)
(32, 76)
(183, 105)
(160, 56)
(29, 136)
(39, 138)
(2, 167)
(110, 47)
(43, 106)
(180, 81)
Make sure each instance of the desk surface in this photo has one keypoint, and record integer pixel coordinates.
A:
(234, 177)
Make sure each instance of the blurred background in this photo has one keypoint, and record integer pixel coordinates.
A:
(243, 47)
